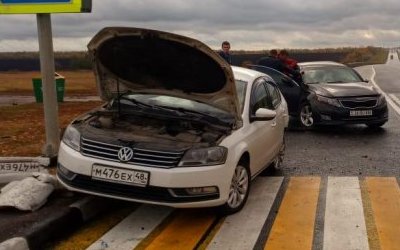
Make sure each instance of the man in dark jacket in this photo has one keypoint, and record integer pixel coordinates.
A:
(224, 52)
(272, 61)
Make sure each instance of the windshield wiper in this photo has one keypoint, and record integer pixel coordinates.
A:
(199, 115)
(335, 82)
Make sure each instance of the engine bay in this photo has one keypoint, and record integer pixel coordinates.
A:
(148, 128)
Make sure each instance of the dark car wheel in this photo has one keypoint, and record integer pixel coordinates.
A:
(306, 117)
(239, 191)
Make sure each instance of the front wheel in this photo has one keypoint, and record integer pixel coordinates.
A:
(238, 192)
(306, 117)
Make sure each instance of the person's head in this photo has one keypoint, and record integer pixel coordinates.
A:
(273, 53)
(283, 54)
(226, 46)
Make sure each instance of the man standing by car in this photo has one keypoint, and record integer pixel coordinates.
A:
(272, 61)
(291, 67)
(224, 52)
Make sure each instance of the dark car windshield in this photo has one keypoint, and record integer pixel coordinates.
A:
(330, 74)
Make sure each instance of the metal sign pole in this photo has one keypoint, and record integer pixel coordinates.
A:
(50, 104)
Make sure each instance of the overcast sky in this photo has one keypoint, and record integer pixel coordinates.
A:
(247, 24)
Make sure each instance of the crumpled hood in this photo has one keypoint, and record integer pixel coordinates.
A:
(156, 62)
(344, 89)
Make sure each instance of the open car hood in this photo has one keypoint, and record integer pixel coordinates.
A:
(156, 62)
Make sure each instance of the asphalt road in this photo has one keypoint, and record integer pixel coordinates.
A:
(350, 150)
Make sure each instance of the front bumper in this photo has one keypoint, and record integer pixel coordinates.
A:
(325, 114)
(166, 185)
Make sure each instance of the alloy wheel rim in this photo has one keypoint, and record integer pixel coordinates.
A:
(279, 158)
(306, 116)
(239, 187)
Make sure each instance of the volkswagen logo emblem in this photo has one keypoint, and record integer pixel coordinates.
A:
(125, 154)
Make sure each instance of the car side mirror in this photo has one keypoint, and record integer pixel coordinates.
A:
(263, 114)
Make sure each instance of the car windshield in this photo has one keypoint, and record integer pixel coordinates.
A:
(330, 74)
(149, 101)
(241, 92)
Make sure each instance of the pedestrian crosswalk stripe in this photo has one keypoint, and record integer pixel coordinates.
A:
(384, 194)
(247, 224)
(133, 229)
(356, 215)
(344, 217)
(185, 230)
(294, 224)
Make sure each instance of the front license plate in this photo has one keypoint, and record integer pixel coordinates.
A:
(120, 175)
(360, 112)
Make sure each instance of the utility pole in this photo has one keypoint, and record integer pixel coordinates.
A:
(50, 104)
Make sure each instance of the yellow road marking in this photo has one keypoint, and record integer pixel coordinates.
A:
(384, 193)
(372, 232)
(294, 224)
(184, 231)
(91, 231)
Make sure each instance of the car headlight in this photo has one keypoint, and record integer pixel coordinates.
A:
(381, 100)
(204, 157)
(72, 138)
(330, 101)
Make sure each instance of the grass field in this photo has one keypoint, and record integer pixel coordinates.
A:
(20, 83)
(22, 126)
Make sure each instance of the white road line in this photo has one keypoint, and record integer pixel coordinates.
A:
(344, 215)
(388, 99)
(133, 229)
(395, 99)
(241, 230)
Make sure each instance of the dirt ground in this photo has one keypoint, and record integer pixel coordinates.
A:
(22, 126)
(20, 83)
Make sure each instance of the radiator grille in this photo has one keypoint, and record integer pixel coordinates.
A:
(141, 156)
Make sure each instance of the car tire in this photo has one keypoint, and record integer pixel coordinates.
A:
(238, 192)
(375, 125)
(306, 117)
(276, 164)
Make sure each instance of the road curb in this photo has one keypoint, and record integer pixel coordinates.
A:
(61, 222)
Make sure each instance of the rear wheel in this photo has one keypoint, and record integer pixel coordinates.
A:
(276, 164)
(239, 190)
(306, 117)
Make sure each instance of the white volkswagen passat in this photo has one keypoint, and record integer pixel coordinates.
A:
(181, 127)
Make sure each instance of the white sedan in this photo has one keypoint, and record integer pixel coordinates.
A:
(181, 127)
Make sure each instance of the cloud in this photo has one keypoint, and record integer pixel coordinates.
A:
(250, 25)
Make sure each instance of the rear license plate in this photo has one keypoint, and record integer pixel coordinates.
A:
(360, 112)
(120, 175)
